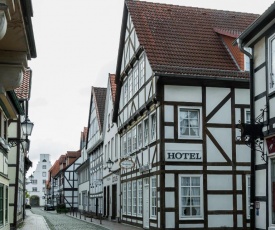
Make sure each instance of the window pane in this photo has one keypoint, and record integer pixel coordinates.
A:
(190, 196)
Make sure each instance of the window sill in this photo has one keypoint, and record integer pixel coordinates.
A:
(191, 218)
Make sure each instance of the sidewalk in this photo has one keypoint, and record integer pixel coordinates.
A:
(34, 222)
(112, 225)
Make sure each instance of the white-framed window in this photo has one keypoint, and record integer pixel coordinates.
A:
(247, 116)
(153, 128)
(124, 140)
(44, 166)
(125, 92)
(109, 151)
(271, 67)
(190, 196)
(139, 198)
(130, 85)
(106, 153)
(134, 138)
(146, 131)
(248, 196)
(124, 200)
(109, 121)
(153, 197)
(134, 197)
(135, 75)
(112, 149)
(129, 197)
(141, 71)
(34, 189)
(43, 174)
(129, 142)
(140, 135)
(189, 122)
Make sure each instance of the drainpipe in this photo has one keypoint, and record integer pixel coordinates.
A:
(252, 137)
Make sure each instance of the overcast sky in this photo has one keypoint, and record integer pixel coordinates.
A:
(77, 44)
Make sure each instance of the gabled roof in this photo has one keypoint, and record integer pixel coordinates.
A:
(99, 95)
(55, 168)
(112, 78)
(24, 91)
(181, 40)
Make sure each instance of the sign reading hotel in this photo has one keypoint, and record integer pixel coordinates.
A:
(183, 155)
(127, 164)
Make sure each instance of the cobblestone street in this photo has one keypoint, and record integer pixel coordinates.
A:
(61, 221)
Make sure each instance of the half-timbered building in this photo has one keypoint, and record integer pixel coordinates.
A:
(260, 38)
(67, 180)
(181, 89)
(83, 174)
(95, 148)
(111, 177)
(18, 160)
(17, 46)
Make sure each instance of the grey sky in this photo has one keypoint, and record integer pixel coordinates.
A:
(77, 44)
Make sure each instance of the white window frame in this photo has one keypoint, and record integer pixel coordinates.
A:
(248, 184)
(129, 198)
(124, 200)
(125, 94)
(153, 127)
(153, 197)
(130, 85)
(129, 142)
(141, 70)
(271, 76)
(135, 79)
(134, 198)
(140, 135)
(134, 139)
(146, 132)
(199, 136)
(246, 120)
(124, 140)
(139, 197)
(182, 217)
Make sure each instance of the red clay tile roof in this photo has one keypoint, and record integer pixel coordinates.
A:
(100, 97)
(55, 168)
(24, 91)
(113, 85)
(230, 33)
(62, 159)
(182, 40)
(73, 154)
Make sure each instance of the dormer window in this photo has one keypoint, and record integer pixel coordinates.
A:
(271, 67)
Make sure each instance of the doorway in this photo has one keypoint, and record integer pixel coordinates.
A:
(114, 201)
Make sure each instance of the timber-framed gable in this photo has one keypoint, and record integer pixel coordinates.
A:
(177, 122)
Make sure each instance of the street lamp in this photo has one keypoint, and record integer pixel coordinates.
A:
(109, 164)
(27, 127)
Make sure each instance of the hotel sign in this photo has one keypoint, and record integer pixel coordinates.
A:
(183, 155)
(127, 164)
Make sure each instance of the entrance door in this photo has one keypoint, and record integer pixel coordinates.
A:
(96, 206)
(146, 205)
(108, 201)
(114, 201)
